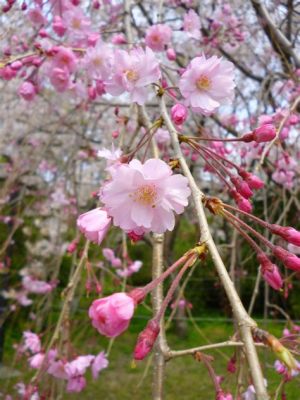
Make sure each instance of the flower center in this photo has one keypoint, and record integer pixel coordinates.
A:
(76, 23)
(131, 75)
(146, 195)
(203, 82)
(98, 61)
(155, 38)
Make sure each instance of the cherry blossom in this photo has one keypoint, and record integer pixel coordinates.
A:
(207, 83)
(145, 196)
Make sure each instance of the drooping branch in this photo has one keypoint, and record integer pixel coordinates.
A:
(245, 323)
(279, 41)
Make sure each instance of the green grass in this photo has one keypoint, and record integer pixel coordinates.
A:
(185, 378)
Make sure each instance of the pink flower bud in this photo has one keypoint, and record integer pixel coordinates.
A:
(242, 203)
(94, 224)
(7, 73)
(96, 4)
(253, 181)
(135, 237)
(264, 133)
(59, 26)
(100, 87)
(289, 260)
(288, 233)
(223, 396)
(179, 114)
(242, 187)
(171, 54)
(146, 340)
(72, 246)
(111, 315)
(115, 134)
(231, 367)
(119, 39)
(16, 65)
(270, 272)
(43, 33)
(92, 93)
(27, 91)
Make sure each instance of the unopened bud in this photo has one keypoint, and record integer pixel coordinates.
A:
(289, 260)
(288, 233)
(146, 340)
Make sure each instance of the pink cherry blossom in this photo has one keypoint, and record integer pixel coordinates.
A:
(132, 72)
(207, 83)
(78, 25)
(179, 114)
(31, 342)
(36, 286)
(76, 384)
(158, 37)
(58, 26)
(100, 362)
(36, 16)
(108, 254)
(60, 79)
(57, 369)
(97, 61)
(27, 91)
(94, 224)
(191, 24)
(111, 315)
(132, 268)
(64, 59)
(162, 137)
(145, 196)
(37, 360)
(78, 366)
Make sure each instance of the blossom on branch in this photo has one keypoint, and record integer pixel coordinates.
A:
(145, 196)
(207, 83)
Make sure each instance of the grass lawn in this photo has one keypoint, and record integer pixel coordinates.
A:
(185, 378)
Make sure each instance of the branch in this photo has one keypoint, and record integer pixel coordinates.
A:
(279, 42)
(228, 343)
(244, 322)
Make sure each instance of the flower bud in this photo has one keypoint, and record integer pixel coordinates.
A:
(94, 224)
(171, 54)
(242, 203)
(289, 260)
(27, 91)
(264, 133)
(72, 246)
(242, 187)
(288, 233)
(146, 340)
(253, 181)
(59, 26)
(270, 272)
(179, 114)
(223, 396)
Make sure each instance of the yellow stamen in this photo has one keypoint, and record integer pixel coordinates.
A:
(203, 83)
(146, 195)
(131, 75)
